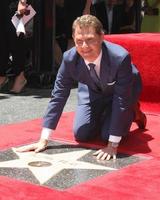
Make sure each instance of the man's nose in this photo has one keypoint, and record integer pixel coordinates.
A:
(84, 44)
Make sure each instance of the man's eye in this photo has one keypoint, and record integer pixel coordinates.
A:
(91, 41)
(79, 42)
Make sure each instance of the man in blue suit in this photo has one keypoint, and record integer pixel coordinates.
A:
(107, 94)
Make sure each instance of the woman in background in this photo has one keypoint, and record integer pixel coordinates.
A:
(12, 45)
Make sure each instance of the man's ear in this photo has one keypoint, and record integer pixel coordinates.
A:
(73, 36)
(102, 36)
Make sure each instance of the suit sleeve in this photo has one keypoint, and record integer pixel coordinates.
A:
(122, 98)
(60, 94)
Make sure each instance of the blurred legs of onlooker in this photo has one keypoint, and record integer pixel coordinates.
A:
(18, 51)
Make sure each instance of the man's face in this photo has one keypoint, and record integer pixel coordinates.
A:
(88, 43)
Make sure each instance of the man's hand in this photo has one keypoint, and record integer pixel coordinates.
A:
(87, 7)
(22, 7)
(37, 147)
(108, 152)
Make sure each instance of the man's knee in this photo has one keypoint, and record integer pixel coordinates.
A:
(82, 133)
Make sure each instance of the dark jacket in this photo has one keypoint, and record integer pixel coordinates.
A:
(100, 11)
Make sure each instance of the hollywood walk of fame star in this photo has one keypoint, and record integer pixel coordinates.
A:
(57, 162)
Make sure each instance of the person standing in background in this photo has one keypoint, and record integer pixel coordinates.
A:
(74, 9)
(151, 20)
(60, 40)
(128, 17)
(12, 45)
(109, 13)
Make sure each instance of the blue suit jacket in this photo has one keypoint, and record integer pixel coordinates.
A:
(121, 85)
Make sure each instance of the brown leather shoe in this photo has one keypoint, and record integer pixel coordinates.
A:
(141, 121)
(140, 117)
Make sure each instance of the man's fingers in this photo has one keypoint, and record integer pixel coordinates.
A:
(97, 152)
(38, 149)
(100, 155)
(104, 156)
(114, 157)
(25, 148)
(108, 157)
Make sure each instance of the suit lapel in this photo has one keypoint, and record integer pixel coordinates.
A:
(105, 66)
(83, 72)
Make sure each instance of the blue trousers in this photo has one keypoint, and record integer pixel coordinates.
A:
(94, 119)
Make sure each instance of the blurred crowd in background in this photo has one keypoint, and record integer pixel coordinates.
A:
(49, 34)
(117, 17)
